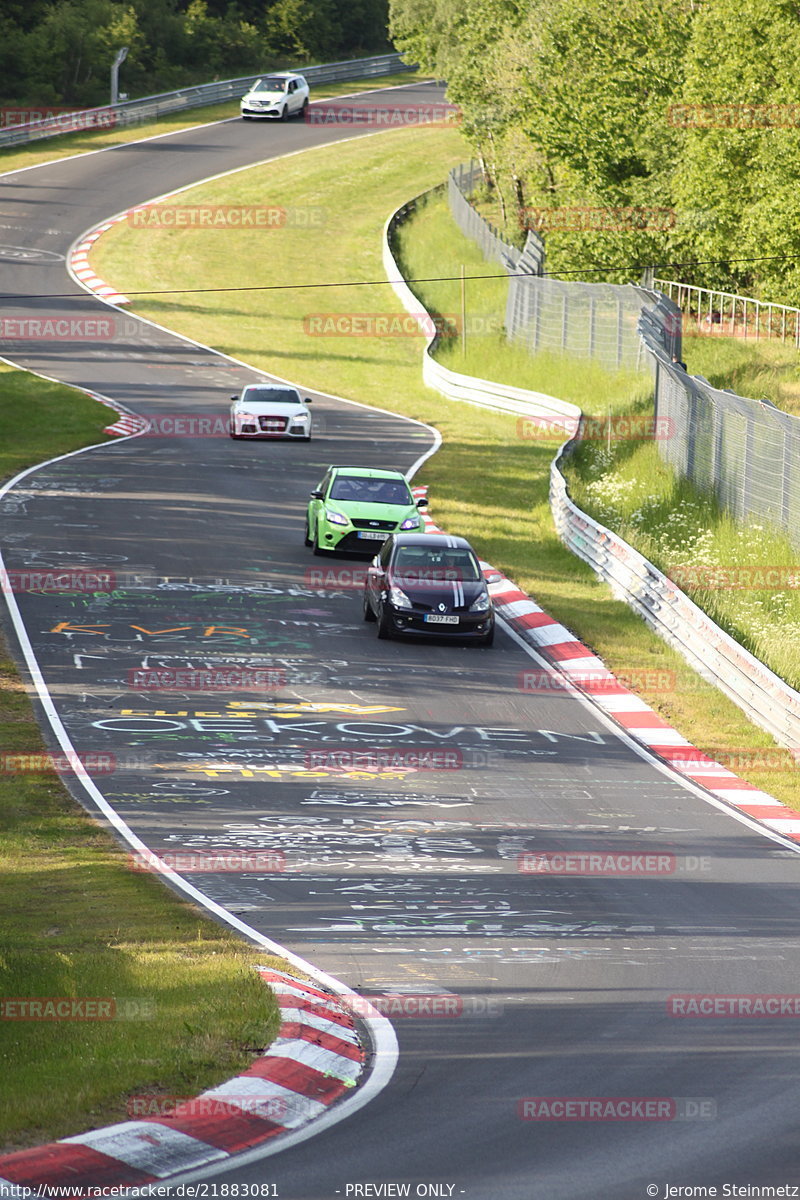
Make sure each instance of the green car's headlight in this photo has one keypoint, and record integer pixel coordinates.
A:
(410, 523)
(336, 518)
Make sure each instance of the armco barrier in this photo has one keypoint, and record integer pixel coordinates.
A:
(762, 695)
(150, 108)
(767, 700)
(481, 392)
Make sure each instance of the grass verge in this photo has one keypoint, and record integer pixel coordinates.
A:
(761, 369)
(746, 577)
(484, 351)
(13, 158)
(508, 517)
(39, 420)
(76, 922)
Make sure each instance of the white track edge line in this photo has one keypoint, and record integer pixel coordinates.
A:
(642, 750)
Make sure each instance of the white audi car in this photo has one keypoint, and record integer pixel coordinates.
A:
(278, 96)
(269, 410)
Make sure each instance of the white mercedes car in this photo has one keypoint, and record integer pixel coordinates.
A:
(269, 410)
(278, 96)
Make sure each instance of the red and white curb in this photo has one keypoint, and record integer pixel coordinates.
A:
(589, 675)
(86, 275)
(316, 1058)
(127, 423)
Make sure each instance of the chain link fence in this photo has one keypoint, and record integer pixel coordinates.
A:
(585, 320)
(150, 108)
(461, 183)
(745, 452)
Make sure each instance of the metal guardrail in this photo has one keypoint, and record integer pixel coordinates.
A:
(726, 314)
(761, 694)
(149, 108)
(480, 392)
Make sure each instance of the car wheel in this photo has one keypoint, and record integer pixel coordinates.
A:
(384, 628)
(369, 615)
(307, 538)
(315, 546)
(488, 640)
(303, 109)
(307, 439)
(284, 113)
(231, 432)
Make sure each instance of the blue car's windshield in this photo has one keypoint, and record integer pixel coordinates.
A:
(443, 565)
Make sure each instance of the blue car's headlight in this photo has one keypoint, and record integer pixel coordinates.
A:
(481, 604)
(410, 523)
(336, 518)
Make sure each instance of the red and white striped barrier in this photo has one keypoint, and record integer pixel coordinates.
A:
(78, 264)
(127, 422)
(589, 675)
(316, 1058)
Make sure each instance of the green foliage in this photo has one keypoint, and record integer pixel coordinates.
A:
(591, 109)
(303, 28)
(61, 52)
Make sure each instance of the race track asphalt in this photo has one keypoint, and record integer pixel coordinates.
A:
(517, 984)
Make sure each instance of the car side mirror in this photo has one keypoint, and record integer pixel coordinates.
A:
(422, 502)
(308, 400)
(316, 494)
(234, 397)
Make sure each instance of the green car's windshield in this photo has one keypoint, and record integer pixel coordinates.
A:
(361, 490)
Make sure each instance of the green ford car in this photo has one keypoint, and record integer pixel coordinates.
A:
(354, 509)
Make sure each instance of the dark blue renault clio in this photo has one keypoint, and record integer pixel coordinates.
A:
(429, 583)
